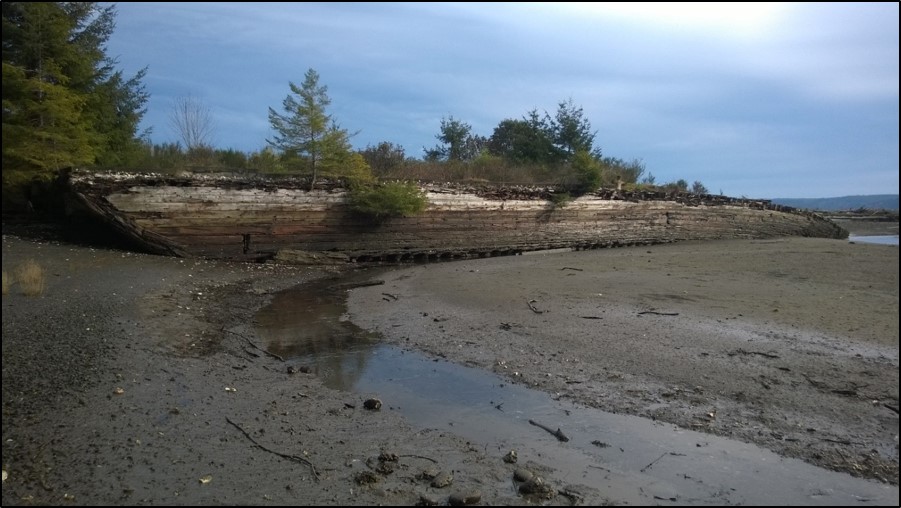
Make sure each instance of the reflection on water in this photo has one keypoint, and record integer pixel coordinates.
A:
(304, 325)
(879, 239)
(609, 452)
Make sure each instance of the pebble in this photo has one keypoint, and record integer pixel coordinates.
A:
(464, 498)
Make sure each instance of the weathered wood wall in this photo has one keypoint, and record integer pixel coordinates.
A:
(233, 217)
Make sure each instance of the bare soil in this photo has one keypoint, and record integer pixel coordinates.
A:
(138, 379)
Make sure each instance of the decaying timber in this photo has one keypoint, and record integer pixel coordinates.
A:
(253, 217)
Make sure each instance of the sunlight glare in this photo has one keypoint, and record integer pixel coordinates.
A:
(738, 19)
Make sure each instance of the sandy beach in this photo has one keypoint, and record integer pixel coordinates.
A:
(138, 379)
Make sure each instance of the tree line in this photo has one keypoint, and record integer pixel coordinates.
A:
(64, 102)
(66, 105)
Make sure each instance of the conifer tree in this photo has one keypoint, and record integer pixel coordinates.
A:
(306, 131)
(64, 104)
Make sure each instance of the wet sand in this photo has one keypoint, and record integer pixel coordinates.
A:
(791, 344)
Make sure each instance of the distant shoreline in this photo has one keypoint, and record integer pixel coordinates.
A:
(861, 226)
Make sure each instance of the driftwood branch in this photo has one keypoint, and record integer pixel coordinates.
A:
(355, 285)
(591, 317)
(536, 311)
(743, 352)
(664, 454)
(571, 268)
(277, 357)
(658, 313)
(556, 433)
(295, 458)
(420, 457)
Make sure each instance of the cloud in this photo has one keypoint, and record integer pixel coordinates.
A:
(745, 95)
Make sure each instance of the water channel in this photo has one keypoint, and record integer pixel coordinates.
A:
(877, 239)
(631, 460)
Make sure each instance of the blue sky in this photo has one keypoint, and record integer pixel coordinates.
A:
(758, 100)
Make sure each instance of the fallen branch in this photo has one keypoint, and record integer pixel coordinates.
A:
(420, 457)
(282, 455)
(571, 268)
(536, 311)
(591, 317)
(255, 346)
(393, 297)
(658, 313)
(664, 454)
(556, 433)
(743, 352)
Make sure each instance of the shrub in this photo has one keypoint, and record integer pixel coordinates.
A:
(584, 175)
(560, 199)
(30, 276)
(385, 200)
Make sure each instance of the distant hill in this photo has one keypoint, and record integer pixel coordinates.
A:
(871, 202)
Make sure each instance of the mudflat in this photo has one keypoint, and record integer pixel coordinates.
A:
(137, 379)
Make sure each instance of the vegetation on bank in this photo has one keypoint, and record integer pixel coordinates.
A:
(65, 105)
(29, 276)
(387, 199)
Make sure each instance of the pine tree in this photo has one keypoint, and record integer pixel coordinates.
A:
(64, 104)
(307, 131)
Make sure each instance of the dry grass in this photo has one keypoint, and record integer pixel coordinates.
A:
(30, 276)
(6, 283)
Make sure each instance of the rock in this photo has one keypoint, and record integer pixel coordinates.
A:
(429, 473)
(388, 457)
(425, 500)
(366, 478)
(510, 457)
(464, 498)
(522, 474)
(537, 487)
(443, 480)
(372, 404)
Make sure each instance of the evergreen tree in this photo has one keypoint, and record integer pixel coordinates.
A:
(572, 131)
(459, 143)
(308, 132)
(63, 102)
(528, 140)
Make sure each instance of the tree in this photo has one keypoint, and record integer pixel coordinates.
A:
(385, 157)
(307, 131)
(63, 102)
(584, 175)
(679, 185)
(459, 143)
(626, 172)
(191, 120)
(526, 140)
(572, 131)
(698, 188)
(545, 140)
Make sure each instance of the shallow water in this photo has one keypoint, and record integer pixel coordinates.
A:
(629, 459)
(877, 239)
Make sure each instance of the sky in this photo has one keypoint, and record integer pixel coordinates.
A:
(757, 100)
